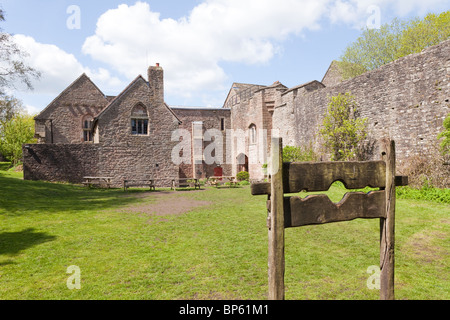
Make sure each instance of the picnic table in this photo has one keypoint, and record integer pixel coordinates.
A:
(138, 183)
(97, 181)
(220, 180)
(185, 182)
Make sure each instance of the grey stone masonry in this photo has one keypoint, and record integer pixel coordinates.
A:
(407, 100)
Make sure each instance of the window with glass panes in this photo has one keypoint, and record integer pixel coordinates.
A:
(139, 121)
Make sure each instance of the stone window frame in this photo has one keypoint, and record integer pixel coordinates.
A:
(86, 126)
(139, 122)
(252, 137)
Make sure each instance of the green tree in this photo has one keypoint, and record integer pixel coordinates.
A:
(445, 135)
(377, 47)
(374, 48)
(16, 132)
(342, 131)
(422, 33)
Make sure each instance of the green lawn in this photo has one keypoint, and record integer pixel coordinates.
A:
(216, 251)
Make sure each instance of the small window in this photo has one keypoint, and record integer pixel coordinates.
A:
(139, 126)
(87, 128)
(139, 121)
(222, 124)
(252, 134)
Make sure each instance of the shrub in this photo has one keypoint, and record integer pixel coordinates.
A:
(299, 154)
(445, 136)
(424, 172)
(243, 175)
(342, 131)
(424, 193)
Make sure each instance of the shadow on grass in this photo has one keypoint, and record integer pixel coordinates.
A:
(19, 196)
(13, 242)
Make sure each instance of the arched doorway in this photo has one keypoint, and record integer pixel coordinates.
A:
(242, 162)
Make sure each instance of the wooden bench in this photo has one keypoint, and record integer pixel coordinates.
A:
(139, 183)
(185, 182)
(221, 180)
(97, 181)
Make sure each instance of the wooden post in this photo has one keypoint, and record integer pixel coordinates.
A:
(276, 223)
(387, 225)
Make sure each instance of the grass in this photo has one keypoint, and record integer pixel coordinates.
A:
(217, 251)
(5, 166)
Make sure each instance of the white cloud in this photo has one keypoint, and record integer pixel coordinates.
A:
(59, 68)
(191, 49)
(32, 110)
(356, 13)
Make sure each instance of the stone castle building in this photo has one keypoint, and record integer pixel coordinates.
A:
(136, 135)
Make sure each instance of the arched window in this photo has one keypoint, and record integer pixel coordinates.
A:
(252, 134)
(87, 128)
(139, 120)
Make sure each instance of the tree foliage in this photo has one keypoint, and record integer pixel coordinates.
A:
(9, 107)
(16, 132)
(376, 47)
(420, 34)
(445, 136)
(13, 69)
(342, 131)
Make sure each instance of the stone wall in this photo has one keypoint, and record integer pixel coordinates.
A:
(406, 100)
(211, 119)
(60, 162)
(72, 162)
(257, 111)
(284, 117)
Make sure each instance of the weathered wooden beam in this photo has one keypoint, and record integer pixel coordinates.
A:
(276, 223)
(260, 188)
(387, 230)
(401, 181)
(319, 209)
(318, 176)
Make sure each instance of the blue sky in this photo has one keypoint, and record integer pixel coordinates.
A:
(203, 46)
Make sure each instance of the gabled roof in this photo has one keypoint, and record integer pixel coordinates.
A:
(332, 65)
(41, 115)
(304, 85)
(116, 98)
(120, 95)
(333, 68)
(276, 84)
(170, 109)
(237, 85)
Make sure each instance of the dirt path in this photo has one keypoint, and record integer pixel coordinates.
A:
(167, 203)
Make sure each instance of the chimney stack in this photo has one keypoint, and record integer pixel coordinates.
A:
(156, 83)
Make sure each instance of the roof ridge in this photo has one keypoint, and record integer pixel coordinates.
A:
(83, 75)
